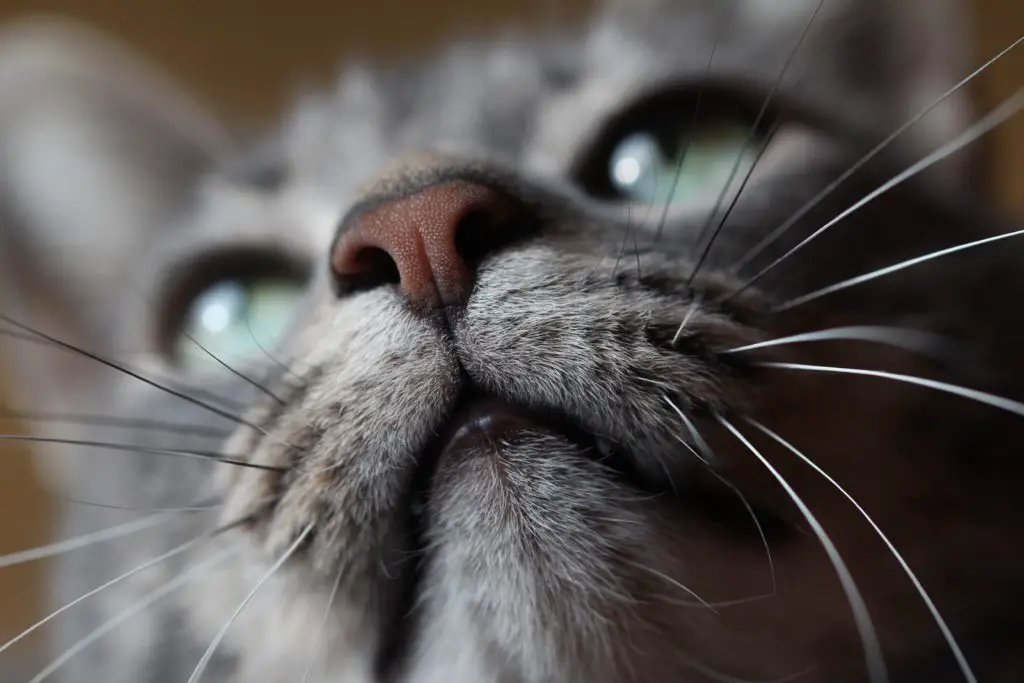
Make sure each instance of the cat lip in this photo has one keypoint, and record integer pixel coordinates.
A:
(487, 420)
(478, 421)
(483, 421)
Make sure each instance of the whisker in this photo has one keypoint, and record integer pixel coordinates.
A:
(154, 596)
(68, 545)
(665, 577)
(765, 145)
(973, 394)
(694, 305)
(693, 121)
(323, 624)
(757, 523)
(946, 633)
(234, 371)
(113, 421)
(682, 154)
(746, 145)
(736, 602)
(659, 384)
(211, 456)
(204, 660)
(993, 119)
(872, 648)
(272, 358)
(713, 675)
(636, 251)
(881, 272)
(110, 506)
(831, 187)
(900, 337)
(120, 368)
(168, 382)
(128, 574)
(237, 373)
(622, 248)
(708, 455)
(716, 604)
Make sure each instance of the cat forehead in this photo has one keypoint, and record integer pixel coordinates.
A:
(499, 97)
(538, 99)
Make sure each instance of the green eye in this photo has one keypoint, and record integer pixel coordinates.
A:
(698, 166)
(236, 320)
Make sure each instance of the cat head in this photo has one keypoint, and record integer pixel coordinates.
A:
(475, 348)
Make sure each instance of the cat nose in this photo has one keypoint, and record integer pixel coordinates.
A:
(428, 242)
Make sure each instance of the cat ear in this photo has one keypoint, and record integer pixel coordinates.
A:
(96, 152)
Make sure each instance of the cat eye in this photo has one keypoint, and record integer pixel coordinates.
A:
(229, 307)
(700, 164)
(235, 320)
(677, 147)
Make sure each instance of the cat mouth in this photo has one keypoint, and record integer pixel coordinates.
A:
(487, 422)
(478, 423)
(483, 425)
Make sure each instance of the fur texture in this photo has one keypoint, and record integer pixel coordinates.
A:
(534, 560)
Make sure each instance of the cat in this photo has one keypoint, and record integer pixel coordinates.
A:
(502, 366)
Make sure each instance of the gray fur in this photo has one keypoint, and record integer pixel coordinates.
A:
(541, 565)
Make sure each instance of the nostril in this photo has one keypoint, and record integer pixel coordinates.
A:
(428, 242)
(482, 232)
(367, 268)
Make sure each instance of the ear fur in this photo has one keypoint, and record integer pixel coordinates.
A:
(97, 153)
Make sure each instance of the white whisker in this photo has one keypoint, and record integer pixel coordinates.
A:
(973, 394)
(665, 577)
(323, 624)
(694, 305)
(705, 453)
(831, 187)
(85, 540)
(724, 678)
(131, 572)
(757, 523)
(664, 386)
(845, 284)
(872, 648)
(208, 654)
(126, 614)
(993, 119)
(947, 634)
(900, 337)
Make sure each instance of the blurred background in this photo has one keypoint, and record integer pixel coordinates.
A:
(246, 58)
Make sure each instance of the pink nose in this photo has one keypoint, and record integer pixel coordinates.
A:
(428, 242)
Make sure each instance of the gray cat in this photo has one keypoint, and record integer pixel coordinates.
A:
(502, 366)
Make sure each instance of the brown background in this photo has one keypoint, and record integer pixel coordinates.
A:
(246, 57)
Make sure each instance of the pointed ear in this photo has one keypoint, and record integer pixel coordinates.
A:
(96, 152)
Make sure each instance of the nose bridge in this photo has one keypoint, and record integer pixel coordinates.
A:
(425, 240)
(404, 171)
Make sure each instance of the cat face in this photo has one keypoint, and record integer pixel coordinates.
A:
(487, 349)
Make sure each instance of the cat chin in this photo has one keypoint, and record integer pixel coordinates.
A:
(503, 590)
(283, 628)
